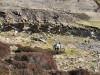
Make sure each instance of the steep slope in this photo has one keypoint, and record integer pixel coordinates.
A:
(73, 6)
(44, 22)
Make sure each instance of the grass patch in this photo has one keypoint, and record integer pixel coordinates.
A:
(82, 16)
(90, 23)
(72, 51)
(45, 46)
(51, 40)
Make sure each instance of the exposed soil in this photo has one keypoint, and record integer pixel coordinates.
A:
(4, 50)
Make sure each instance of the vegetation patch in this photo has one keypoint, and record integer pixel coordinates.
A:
(82, 16)
(98, 1)
(72, 51)
(90, 23)
(51, 40)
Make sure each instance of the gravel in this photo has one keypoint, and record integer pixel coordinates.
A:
(87, 45)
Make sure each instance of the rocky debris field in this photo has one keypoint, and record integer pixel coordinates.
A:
(85, 61)
(87, 45)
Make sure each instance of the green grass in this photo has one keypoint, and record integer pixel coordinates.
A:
(51, 40)
(45, 46)
(72, 51)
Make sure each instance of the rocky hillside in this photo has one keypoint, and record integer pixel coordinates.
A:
(25, 24)
(26, 15)
(53, 22)
(73, 6)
